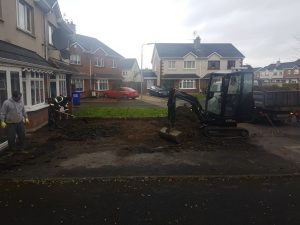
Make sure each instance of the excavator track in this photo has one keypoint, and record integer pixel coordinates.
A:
(229, 132)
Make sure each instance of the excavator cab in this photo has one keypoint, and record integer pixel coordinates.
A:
(229, 97)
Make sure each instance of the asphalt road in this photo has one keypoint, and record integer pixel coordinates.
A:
(187, 200)
(212, 200)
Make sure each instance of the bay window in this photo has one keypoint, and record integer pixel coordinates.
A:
(187, 84)
(37, 88)
(102, 85)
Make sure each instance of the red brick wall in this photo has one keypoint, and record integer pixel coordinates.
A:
(88, 67)
(37, 119)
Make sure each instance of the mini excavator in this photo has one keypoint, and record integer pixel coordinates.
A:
(229, 101)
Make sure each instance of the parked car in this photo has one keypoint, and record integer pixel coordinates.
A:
(158, 91)
(121, 92)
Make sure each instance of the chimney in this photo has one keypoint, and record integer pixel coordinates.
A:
(72, 26)
(197, 42)
(278, 63)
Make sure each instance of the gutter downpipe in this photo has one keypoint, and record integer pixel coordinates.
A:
(91, 89)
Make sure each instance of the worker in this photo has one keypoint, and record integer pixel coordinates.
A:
(57, 110)
(13, 116)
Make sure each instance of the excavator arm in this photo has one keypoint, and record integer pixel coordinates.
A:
(196, 107)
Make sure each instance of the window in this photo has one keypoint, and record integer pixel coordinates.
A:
(0, 9)
(150, 83)
(75, 59)
(296, 71)
(50, 33)
(114, 64)
(79, 84)
(3, 88)
(102, 85)
(213, 65)
(25, 16)
(171, 64)
(14, 81)
(230, 64)
(289, 72)
(187, 84)
(99, 62)
(37, 88)
(189, 65)
(62, 85)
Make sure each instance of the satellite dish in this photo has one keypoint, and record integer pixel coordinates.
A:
(60, 39)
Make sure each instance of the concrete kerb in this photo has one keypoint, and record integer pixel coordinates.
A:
(121, 179)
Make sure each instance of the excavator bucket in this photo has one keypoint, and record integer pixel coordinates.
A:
(171, 134)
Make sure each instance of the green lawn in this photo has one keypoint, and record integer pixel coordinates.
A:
(119, 112)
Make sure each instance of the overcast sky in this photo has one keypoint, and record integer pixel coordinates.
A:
(263, 30)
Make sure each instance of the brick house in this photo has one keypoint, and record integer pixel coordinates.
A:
(99, 66)
(33, 55)
(183, 65)
(280, 73)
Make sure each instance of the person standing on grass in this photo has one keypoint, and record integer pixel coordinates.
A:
(13, 116)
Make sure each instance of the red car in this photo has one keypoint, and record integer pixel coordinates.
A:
(122, 92)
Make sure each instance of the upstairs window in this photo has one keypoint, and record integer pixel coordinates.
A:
(171, 64)
(99, 62)
(25, 16)
(189, 65)
(213, 65)
(50, 33)
(114, 64)
(75, 59)
(230, 64)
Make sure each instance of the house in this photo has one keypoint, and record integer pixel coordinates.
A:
(182, 65)
(99, 66)
(131, 74)
(150, 79)
(34, 55)
(130, 70)
(279, 73)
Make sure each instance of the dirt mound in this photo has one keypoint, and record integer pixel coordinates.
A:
(83, 129)
(187, 122)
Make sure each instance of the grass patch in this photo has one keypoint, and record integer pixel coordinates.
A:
(119, 112)
(200, 97)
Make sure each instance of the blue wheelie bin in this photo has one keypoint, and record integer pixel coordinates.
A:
(76, 98)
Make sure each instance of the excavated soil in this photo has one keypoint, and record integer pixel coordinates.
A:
(112, 147)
